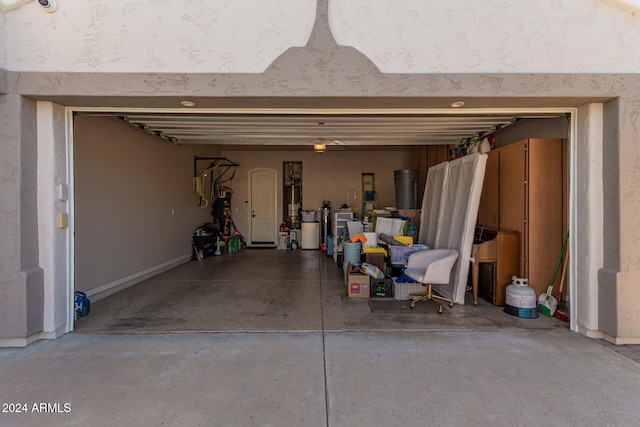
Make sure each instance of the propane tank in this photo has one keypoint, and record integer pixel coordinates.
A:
(520, 299)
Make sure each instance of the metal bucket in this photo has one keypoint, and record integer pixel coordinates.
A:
(406, 182)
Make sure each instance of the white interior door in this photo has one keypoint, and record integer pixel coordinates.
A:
(263, 206)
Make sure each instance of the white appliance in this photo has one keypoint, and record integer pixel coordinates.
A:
(310, 235)
(340, 221)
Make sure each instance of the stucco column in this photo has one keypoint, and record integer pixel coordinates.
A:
(53, 200)
(21, 279)
(586, 234)
(619, 279)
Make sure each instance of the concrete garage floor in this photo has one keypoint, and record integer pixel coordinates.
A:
(267, 290)
(302, 354)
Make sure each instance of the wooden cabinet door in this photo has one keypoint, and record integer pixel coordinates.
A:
(513, 196)
(545, 213)
(442, 153)
(437, 154)
(488, 213)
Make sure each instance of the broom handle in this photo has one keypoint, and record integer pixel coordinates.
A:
(563, 276)
(555, 273)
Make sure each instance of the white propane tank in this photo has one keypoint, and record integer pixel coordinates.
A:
(520, 299)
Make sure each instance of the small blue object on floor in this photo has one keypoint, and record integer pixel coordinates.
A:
(82, 304)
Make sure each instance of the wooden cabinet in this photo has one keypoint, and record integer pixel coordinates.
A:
(488, 213)
(525, 191)
(495, 262)
(425, 156)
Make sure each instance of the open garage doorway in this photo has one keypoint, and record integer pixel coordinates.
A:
(134, 211)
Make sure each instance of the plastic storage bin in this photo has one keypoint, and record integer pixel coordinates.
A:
(401, 291)
(400, 254)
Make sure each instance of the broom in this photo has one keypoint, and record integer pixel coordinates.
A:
(558, 314)
(547, 303)
(563, 277)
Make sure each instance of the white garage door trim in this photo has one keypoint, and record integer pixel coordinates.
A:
(572, 112)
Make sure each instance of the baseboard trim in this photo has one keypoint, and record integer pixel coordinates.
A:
(23, 342)
(52, 335)
(621, 341)
(261, 245)
(595, 334)
(104, 291)
(19, 342)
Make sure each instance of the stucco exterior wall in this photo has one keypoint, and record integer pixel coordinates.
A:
(625, 184)
(21, 277)
(588, 201)
(530, 55)
(156, 36)
(573, 36)
(414, 36)
(3, 44)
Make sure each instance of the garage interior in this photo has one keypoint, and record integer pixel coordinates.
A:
(135, 214)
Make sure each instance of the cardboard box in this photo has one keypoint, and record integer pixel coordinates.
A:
(357, 283)
(376, 259)
(412, 214)
(358, 286)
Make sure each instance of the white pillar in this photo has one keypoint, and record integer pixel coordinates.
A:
(587, 237)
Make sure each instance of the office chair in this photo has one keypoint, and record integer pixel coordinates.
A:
(431, 267)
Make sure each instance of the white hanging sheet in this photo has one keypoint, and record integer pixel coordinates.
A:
(430, 214)
(458, 215)
(389, 226)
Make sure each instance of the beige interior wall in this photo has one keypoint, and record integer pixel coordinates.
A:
(326, 176)
(135, 208)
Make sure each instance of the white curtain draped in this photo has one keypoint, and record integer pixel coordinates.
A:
(430, 213)
(457, 212)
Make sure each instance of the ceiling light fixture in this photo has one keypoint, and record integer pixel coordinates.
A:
(187, 103)
(319, 148)
(457, 104)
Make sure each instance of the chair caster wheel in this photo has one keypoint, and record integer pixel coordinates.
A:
(475, 304)
(440, 310)
(450, 304)
(411, 305)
